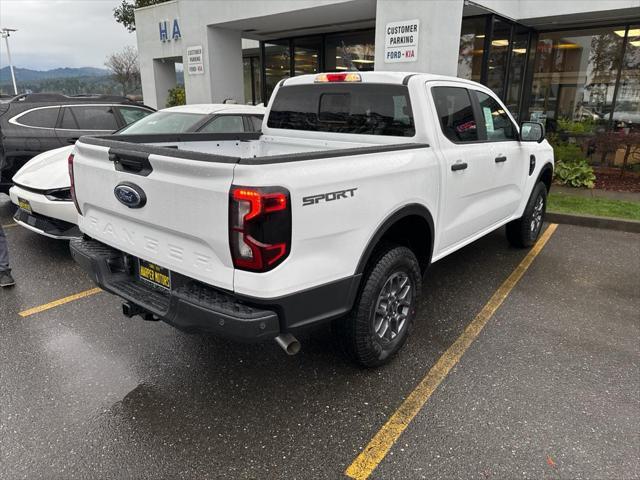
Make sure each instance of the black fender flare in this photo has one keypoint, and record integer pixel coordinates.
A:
(405, 211)
(545, 167)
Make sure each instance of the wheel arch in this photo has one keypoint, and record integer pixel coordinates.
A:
(546, 176)
(411, 215)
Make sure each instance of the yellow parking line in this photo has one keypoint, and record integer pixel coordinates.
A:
(382, 442)
(57, 303)
(10, 225)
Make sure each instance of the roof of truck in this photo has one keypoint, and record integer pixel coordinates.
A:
(397, 78)
(211, 108)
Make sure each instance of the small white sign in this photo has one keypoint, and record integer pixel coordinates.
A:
(195, 62)
(401, 41)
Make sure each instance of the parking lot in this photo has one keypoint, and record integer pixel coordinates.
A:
(550, 388)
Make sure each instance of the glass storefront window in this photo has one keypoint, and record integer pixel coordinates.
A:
(517, 69)
(252, 90)
(627, 108)
(277, 63)
(257, 81)
(471, 51)
(350, 51)
(574, 75)
(247, 75)
(306, 55)
(497, 60)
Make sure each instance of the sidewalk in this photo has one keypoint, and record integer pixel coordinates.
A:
(597, 193)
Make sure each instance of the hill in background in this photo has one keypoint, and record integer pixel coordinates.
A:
(69, 81)
(28, 75)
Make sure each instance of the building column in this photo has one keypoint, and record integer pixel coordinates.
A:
(224, 68)
(164, 75)
(157, 77)
(438, 39)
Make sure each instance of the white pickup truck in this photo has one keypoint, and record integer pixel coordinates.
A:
(356, 184)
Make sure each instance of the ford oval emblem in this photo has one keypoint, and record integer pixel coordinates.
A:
(130, 195)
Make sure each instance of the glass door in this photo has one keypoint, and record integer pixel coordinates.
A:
(277, 63)
(497, 61)
(306, 55)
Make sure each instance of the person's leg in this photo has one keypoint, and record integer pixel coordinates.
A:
(6, 280)
(4, 252)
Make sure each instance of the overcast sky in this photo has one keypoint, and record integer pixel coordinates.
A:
(61, 33)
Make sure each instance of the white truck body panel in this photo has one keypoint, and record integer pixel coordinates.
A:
(185, 228)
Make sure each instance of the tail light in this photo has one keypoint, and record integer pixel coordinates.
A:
(259, 227)
(73, 184)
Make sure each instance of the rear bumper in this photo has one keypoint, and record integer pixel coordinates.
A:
(58, 210)
(194, 307)
(49, 227)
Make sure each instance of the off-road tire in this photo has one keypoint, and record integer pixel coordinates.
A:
(524, 231)
(356, 332)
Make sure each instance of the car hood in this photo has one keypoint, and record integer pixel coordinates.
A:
(46, 171)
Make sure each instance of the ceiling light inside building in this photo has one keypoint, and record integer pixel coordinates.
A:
(633, 32)
(362, 60)
(520, 50)
(500, 43)
(568, 45)
(635, 43)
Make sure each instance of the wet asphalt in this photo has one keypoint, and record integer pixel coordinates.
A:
(550, 389)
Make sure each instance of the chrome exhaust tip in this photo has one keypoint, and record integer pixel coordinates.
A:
(288, 343)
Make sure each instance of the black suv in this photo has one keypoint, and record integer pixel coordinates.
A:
(34, 123)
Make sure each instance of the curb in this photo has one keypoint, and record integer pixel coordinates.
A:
(609, 223)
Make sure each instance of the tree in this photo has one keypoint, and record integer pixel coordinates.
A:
(125, 69)
(124, 13)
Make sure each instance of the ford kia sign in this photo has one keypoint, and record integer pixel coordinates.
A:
(130, 195)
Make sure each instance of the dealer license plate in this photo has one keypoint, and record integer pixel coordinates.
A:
(25, 205)
(155, 274)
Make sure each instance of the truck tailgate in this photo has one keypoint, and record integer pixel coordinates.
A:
(183, 226)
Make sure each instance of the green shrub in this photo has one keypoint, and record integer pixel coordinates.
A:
(567, 153)
(176, 97)
(584, 126)
(575, 174)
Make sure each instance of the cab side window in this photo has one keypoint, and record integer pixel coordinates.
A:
(68, 120)
(224, 124)
(497, 123)
(453, 105)
(132, 114)
(41, 117)
(94, 117)
(256, 122)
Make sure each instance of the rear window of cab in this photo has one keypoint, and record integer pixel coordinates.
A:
(356, 108)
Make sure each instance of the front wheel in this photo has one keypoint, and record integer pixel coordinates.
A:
(524, 231)
(380, 322)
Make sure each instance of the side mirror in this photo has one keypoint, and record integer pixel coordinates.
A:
(531, 132)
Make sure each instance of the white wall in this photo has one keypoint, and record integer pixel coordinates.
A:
(439, 38)
(528, 9)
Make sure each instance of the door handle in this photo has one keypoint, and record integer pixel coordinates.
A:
(501, 159)
(459, 166)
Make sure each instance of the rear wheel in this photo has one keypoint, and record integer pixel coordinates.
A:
(524, 231)
(381, 320)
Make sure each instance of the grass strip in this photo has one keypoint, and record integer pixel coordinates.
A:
(599, 207)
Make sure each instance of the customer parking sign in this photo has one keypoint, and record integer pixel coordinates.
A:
(401, 41)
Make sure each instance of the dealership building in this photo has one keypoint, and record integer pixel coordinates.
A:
(548, 60)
